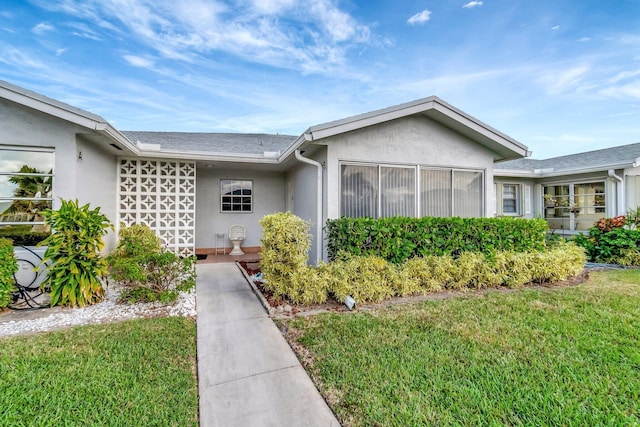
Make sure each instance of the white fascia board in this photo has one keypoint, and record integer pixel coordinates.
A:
(305, 137)
(514, 173)
(576, 171)
(369, 119)
(88, 120)
(118, 138)
(561, 172)
(480, 128)
(421, 106)
(208, 156)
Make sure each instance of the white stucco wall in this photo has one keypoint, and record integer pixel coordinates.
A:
(302, 195)
(411, 140)
(96, 182)
(25, 127)
(269, 190)
(528, 197)
(90, 181)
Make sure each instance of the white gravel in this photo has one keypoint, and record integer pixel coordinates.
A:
(104, 312)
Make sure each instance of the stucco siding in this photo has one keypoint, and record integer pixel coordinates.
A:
(632, 183)
(411, 140)
(23, 126)
(269, 190)
(302, 193)
(96, 178)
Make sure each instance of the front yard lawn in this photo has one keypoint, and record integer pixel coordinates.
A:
(568, 356)
(134, 373)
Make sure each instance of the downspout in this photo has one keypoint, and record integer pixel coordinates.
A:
(318, 202)
(620, 192)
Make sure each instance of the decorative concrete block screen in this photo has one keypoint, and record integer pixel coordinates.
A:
(162, 195)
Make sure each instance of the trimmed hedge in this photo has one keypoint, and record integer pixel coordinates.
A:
(285, 251)
(8, 267)
(397, 239)
(373, 279)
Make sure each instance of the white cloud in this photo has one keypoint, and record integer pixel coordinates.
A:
(272, 7)
(624, 75)
(307, 36)
(84, 31)
(584, 39)
(60, 51)
(631, 90)
(557, 81)
(473, 4)
(555, 27)
(42, 28)
(138, 61)
(420, 17)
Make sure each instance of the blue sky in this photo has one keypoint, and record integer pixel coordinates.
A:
(558, 76)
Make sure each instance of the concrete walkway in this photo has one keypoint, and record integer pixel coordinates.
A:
(247, 373)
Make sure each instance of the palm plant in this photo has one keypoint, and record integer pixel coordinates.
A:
(31, 184)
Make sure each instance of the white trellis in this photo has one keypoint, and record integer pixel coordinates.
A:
(162, 195)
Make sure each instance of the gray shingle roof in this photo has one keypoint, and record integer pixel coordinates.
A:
(624, 154)
(211, 142)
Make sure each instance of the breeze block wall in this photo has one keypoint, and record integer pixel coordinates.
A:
(162, 195)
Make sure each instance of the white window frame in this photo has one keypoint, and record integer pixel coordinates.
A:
(572, 215)
(417, 184)
(517, 197)
(223, 195)
(47, 198)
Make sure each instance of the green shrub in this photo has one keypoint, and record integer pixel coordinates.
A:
(609, 245)
(146, 272)
(431, 272)
(397, 239)
(285, 251)
(8, 267)
(629, 257)
(373, 279)
(309, 285)
(367, 278)
(76, 265)
(136, 239)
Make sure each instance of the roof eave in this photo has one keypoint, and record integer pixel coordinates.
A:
(506, 148)
(208, 156)
(563, 172)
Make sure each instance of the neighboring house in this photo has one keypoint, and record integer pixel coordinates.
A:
(571, 192)
(422, 158)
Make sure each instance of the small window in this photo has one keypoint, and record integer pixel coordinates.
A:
(510, 199)
(236, 196)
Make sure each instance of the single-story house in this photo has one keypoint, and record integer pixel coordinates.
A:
(571, 192)
(421, 158)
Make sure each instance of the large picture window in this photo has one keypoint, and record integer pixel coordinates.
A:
(236, 195)
(574, 206)
(26, 184)
(395, 190)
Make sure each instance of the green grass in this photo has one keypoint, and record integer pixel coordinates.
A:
(567, 356)
(135, 373)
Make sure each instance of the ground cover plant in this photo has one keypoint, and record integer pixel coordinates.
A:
(547, 356)
(134, 373)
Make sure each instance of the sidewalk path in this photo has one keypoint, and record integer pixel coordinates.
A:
(247, 373)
